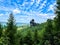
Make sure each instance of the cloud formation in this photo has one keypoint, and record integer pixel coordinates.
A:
(25, 10)
(15, 11)
(1, 14)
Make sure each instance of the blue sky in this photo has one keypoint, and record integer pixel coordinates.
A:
(25, 10)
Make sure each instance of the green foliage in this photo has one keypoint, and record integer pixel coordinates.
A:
(57, 20)
(11, 30)
(32, 35)
(47, 33)
(28, 38)
(36, 38)
(1, 29)
(57, 24)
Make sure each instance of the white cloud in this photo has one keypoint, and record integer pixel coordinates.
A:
(41, 15)
(38, 1)
(15, 11)
(1, 14)
(6, 8)
(43, 4)
(51, 7)
(32, 1)
(28, 15)
(47, 16)
(50, 17)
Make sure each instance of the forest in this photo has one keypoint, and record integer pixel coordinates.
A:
(47, 33)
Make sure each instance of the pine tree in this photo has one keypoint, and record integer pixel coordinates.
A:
(28, 38)
(11, 30)
(1, 29)
(48, 35)
(57, 22)
(36, 41)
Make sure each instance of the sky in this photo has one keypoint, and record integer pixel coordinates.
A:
(25, 10)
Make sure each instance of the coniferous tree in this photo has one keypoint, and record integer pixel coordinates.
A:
(57, 23)
(1, 29)
(57, 20)
(21, 42)
(48, 35)
(36, 40)
(11, 30)
(20, 39)
(28, 38)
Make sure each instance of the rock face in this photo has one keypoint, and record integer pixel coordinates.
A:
(32, 23)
